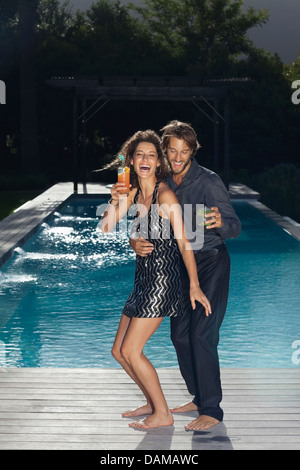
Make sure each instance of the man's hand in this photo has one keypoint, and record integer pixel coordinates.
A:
(141, 246)
(215, 218)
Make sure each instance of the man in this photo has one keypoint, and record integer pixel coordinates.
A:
(195, 335)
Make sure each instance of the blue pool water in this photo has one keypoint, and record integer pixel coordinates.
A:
(62, 295)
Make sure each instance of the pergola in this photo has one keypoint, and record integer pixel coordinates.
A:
(95, 93)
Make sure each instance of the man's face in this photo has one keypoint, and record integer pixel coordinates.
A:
(179, 155)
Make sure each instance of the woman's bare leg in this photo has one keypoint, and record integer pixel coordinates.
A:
(138, 332)
(148, 408)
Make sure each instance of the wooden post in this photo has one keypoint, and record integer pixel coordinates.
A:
(226, 143)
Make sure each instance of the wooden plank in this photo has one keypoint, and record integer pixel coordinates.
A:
(86, 406)
(163, 373)
(119, 381)
(101, 426)
(234, 411)
(134, 437)
(176, 394)
(114, 387)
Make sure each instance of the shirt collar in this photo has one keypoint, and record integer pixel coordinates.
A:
(192, 171)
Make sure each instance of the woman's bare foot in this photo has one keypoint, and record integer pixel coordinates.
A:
(190, 406)
(142, 410)
(154, 421)
(202, 423)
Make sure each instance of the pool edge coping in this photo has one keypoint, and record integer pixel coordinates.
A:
(289, 225)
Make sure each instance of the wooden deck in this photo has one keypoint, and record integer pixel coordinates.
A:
(79, 409)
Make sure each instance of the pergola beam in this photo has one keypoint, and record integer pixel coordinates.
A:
(105, 89)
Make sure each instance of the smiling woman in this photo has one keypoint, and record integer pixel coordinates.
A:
(145, 159)
(131, 148)
(157, 285)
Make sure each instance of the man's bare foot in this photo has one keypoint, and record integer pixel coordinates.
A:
(190, 406)
(154, 421)
(202, 423)
(142, 410)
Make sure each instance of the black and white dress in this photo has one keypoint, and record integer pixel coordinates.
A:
(157, 284)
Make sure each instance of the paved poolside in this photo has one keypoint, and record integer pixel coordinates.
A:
(80, 409)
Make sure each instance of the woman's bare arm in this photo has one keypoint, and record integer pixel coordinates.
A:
(170, 207)
(117, 207)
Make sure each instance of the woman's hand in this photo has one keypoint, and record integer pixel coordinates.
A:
(116, 194)
(116, 207)
(197, 294)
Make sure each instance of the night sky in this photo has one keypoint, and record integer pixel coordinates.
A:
(281, 34)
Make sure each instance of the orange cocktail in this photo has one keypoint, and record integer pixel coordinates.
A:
(124, 177)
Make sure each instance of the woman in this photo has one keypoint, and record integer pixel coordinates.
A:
(157, 288)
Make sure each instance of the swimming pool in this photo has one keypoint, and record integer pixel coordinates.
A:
(62, 295)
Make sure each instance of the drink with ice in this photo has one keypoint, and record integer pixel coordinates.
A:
(124, 177)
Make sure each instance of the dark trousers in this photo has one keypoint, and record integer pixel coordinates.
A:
(196, 336)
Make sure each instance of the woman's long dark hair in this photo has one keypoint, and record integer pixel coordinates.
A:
(128, 149)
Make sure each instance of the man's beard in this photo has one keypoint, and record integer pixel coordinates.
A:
(177, 171)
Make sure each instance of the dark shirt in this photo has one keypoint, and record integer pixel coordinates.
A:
(202, 186)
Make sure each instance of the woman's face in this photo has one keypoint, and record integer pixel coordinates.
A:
(145, 160)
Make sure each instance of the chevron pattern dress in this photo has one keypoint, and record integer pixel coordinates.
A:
(157, 283)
